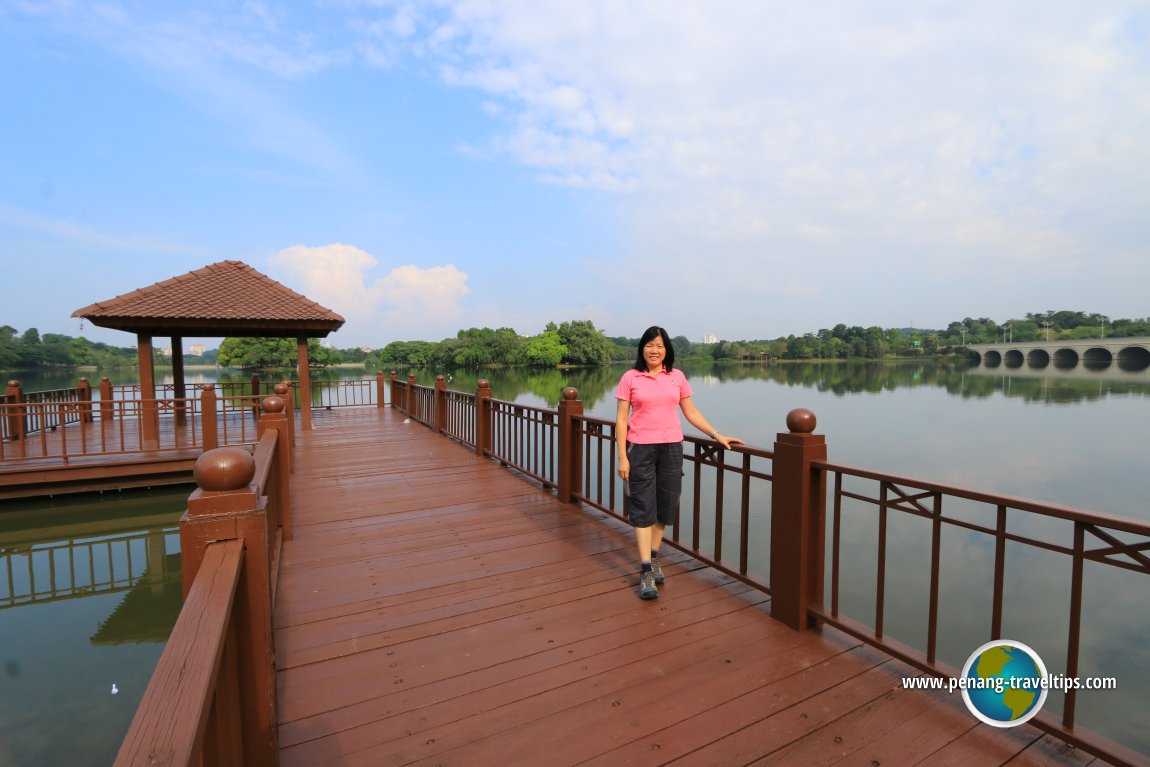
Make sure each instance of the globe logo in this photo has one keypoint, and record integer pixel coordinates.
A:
(1004, 683)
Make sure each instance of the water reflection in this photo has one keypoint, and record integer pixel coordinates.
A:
(1059, 381)
(90, 588)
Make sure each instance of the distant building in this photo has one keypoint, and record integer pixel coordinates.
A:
(197, 350)
(166, 351)
(709, 338)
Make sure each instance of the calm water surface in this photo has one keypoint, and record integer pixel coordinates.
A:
(1076, 438)
(89, 591)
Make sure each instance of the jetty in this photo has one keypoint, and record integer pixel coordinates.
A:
(382, 573)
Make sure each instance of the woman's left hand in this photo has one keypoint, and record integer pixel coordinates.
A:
(726, 442)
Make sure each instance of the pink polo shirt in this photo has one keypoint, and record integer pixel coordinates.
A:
(654, 405)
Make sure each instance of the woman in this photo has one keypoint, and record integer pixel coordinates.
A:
(650, 445)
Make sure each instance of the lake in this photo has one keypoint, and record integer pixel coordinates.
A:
(1074, 437)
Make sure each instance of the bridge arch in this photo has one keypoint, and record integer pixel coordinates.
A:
(1097, 358)
(991, 358)
(1013, 358)
(1038, 358)
(1065, 358)
(1134, 358)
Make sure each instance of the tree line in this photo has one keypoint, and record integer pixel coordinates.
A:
(579, 342)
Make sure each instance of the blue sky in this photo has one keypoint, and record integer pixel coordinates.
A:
(747, 169)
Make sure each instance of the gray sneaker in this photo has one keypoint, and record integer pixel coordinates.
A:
(657, 569)
(647, 588)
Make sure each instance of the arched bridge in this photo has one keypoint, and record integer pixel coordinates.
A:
(1127, 353)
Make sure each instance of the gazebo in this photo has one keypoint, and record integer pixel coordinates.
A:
(228, 298)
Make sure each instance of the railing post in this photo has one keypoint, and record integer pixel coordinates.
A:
(284, 392)
(410, 401)
(85, 391)
(255, 396)
(225, 506)
(482, 418)
(798, 516)
(107, 409)
(275, 418)
(570, 448)
(15, 396)
(394, 387)
(208, 423)
(380, 390)
(107, 400)
(440, 404)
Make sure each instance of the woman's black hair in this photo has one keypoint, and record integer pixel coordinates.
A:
(649, 335)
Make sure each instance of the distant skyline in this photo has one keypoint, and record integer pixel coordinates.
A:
(746, 170)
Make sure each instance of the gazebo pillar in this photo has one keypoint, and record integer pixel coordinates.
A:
(181, 389)
(304, 365)
(149, 413)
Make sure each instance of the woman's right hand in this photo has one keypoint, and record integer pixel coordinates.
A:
(624, 467)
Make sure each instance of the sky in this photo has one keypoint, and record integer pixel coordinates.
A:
(743, 169)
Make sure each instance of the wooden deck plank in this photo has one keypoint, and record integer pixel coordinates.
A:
(492, 685)
(435, 608)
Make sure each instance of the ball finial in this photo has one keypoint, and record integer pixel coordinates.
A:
(570, 393)
(273, 405)
(801, 421)
(225, 468)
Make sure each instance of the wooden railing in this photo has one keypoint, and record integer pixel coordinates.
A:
(174, 716)
(325, 394)
(111, 426)
(734, 500)
(990, 523)
(212, 697)
(116, 427)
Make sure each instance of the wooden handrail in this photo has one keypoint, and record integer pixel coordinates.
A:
(170, 723)
(224, 710)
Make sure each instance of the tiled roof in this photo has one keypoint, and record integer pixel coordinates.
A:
(228, 296)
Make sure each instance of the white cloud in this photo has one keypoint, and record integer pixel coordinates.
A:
(332, 275)
(414, 290)
(779, 151)
(421, 302)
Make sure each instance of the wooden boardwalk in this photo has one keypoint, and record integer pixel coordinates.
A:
(437, 609)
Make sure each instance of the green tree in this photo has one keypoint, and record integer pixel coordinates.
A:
(408, 354)
(352, 354)
(484, 346)
(585, 344)
(625, 349)
(9, 354)
(544, 350)
(255, 353)
(683, 347)
(56, 349)
(29, 349)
